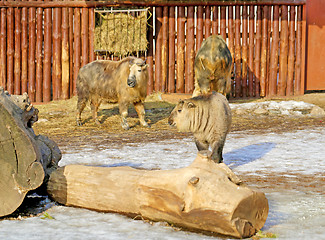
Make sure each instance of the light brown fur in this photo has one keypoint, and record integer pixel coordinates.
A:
(208, 117)
(112, 81)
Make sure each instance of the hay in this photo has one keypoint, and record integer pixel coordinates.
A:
(120, 33)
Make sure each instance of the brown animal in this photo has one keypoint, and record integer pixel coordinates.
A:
(123, 82)
(208, 117)
(212, 67)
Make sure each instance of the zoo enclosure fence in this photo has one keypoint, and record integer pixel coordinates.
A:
(43, 44)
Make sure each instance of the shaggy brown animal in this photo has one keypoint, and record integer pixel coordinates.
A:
(208, 117)
(212, 67)
(123, 82)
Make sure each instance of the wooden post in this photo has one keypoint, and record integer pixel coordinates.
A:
(65, 54)
(71, 65)
(76, 47)
(24, 50)
(291, 53)
(199, 28)
(159, 33)
(207, 22)
(57, 66)
(298, 76)
(237, 54)
(190, 51)
(84, 36)
(3, 47)
(17, 53)
(251, 45)
(274, 52)
(150, 52)
(38, 55)
(47, 64)
(215, 24)
(180, 67)
(283, 58)
(231, 39)
(171, 53)
(223, 23)
(264, 51)
(10, 50)
(91, 34)
(164, 50)
(257, 57)
(245, 92)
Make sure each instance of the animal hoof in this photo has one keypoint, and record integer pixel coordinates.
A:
(146, 125)
(97, 122)
(126, 127)
(79, 123)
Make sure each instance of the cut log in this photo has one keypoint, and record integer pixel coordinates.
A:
(204, 196)
(26, 160)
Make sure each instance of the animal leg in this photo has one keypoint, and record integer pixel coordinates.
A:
(139, 107)
(123, 107)
(217, 148)
(201, 145)
(94, 105)
(80, 107)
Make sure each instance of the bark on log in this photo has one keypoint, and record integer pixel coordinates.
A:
(204, 196)
(25, 159)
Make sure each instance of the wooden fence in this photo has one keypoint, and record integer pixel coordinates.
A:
(44, 43)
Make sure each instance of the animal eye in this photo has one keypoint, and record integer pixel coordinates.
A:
(139, 70)
(179, 110)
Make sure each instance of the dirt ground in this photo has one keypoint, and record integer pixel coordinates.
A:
(57, 120)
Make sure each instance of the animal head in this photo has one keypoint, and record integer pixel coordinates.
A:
(182, 114)
(138, 72)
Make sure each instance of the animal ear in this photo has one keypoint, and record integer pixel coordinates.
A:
(191, 105)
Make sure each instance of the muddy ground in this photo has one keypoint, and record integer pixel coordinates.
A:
(57, 120)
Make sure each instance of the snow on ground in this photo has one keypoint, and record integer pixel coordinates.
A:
(293, 214)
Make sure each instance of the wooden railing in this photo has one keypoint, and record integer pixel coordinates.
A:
(44, 43)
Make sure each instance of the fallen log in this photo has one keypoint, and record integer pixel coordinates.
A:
(26, 160)
(204, 196)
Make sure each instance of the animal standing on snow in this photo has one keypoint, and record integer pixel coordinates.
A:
(208, 117)
(123, 82)
(212, 67)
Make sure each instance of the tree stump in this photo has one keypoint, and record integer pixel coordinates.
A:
(26, 160)
(204, 196)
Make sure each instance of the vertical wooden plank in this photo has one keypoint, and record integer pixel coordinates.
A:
(251, 45)
(150, 51)
(76, 47)
(164, 50)
(257, 58)
(57, 66)
(10, 50)
(215, 21)
(207, 22)
(47, 55)
(264, 51)
(65, 54)
(199, 27)
(231, 39)
(17, 54)
(71, 70)
(190, 51)
(298, 76)
(238, 83)
(180, 67)
(3, 48)
(159, 33)
(24, 49)
(291, 52)
(171, 53)
(91, 34)
(39, 55)
(269, 31)
(274, 53)
(245, 52)
(84, 36)
(283, 58)
(223, 19)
